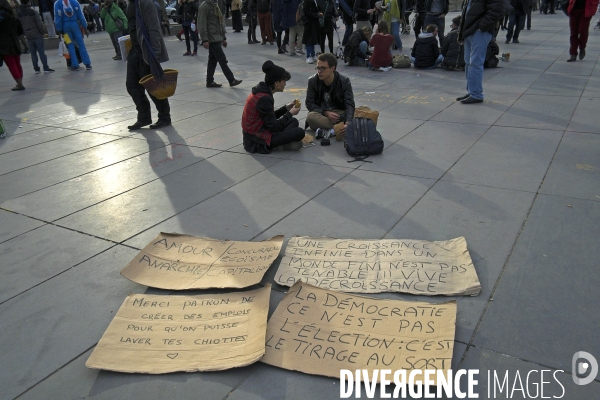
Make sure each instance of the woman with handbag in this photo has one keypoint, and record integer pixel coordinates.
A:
(326, 23)
(10, 49)
(115, 24)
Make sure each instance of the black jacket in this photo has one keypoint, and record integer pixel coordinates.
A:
(482, 15)
(188, 11)
(452, 51)
(425, 50)
(263, 6)
(342, 97)
(10, 30)
(351, 49)
(446, 6)
(360, 9)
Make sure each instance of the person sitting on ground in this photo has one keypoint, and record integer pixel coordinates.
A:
(425, 52)
(453, 52)
(329, 98)
(355, 51)
(381, 43)
(265, 128)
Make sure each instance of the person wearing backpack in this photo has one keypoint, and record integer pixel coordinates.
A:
(265, 128)
(477, 26)
(115, 24)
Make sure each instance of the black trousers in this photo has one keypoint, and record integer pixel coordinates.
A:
(329, 36)
(216, 55)
(291, 133)
(187, 30)
(136, 70)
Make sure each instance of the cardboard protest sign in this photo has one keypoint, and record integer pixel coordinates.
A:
(178, 262)
(320, 332)
(374, 266)
(159, 334)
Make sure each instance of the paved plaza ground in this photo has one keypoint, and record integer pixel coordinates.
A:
(518, 176)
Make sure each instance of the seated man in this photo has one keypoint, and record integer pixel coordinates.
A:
(452, 51)
(329, 98)
(425, 52)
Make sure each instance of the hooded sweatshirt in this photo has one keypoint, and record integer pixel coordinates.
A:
(425, 50)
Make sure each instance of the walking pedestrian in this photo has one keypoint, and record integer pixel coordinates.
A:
(138, 63)
(34, 32)
(211, 26)
(580, 14)
(188, 10)
(10, 49)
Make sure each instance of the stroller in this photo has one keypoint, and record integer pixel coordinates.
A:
(339, 50)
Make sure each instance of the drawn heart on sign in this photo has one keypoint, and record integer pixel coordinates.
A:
(172, 355)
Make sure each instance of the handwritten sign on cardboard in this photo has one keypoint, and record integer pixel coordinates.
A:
(319, 331)
(178, 262)
(374, 266)
(159, 334)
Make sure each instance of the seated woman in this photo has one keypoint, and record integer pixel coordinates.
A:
(382, 45)
(425, 52)
(264, 127)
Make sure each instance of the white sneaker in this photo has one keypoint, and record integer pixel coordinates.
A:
(309, 60)
(300, 52)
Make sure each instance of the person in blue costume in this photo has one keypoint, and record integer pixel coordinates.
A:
(67, 18)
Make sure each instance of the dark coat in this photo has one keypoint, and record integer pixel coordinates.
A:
(276, 10)
(329, 14)
(263, 6)
(341, 94)
(10, 30)
(347, 17)
(428, 4)
(425, 50)
(483, 15)
(188, 12)
(288, 13)
(311, 27)
(32, 23)
(360, 9)
(453, 52)
(351, 49)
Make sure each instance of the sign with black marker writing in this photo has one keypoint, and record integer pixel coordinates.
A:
(179, 262)
(158, 334)
(320, 332)
(373, 266)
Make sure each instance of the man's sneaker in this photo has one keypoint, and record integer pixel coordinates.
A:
(88, 67)
(310, 60)
(300, 52)
(37, 70)
(321, 133)
(74, 68)
(48, 70)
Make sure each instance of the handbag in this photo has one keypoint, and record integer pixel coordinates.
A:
(322, 17)
(119, 24)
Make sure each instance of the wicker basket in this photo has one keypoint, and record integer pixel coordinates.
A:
(161, 89)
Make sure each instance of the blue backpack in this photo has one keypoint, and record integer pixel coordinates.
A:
(362, 139)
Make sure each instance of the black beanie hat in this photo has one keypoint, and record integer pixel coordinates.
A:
(273, 73)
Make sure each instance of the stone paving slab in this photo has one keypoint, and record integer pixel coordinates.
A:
(549, 286)
(84, 193)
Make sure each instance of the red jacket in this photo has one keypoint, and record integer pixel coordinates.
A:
(591, 6)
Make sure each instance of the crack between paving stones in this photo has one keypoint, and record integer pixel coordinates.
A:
(233, 389)
(56, 371)
(512, 249)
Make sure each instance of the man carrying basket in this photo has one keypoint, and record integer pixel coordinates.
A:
(138, 62)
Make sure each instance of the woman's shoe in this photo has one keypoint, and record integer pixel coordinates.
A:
(18, 88)
(572, 58)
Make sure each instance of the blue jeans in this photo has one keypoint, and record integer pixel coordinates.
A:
(438, 61)
(475, 50)
(396, 34)
(37, 46)
(310, 50)
(362, 56)
(349, 29)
